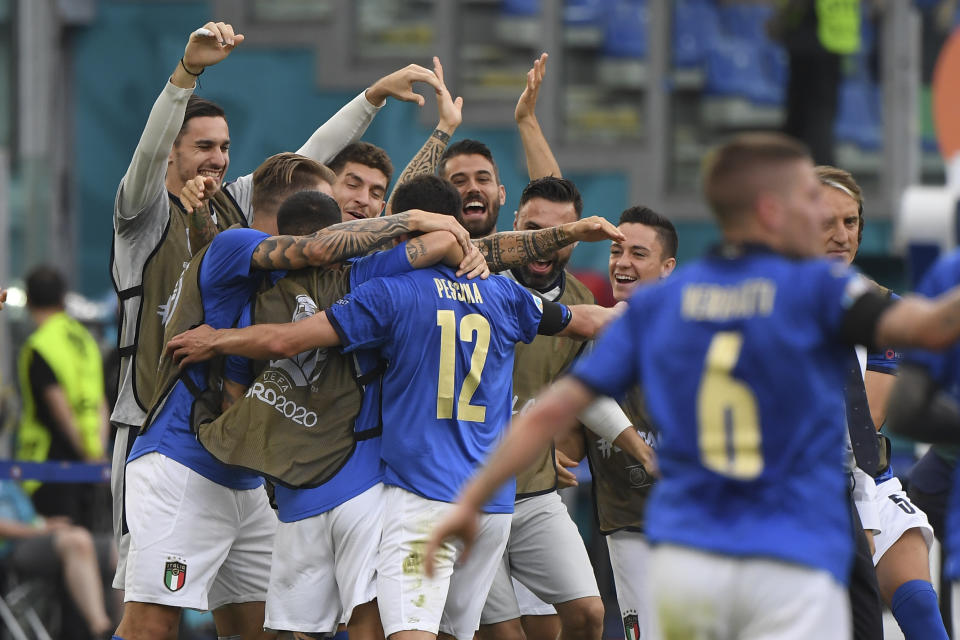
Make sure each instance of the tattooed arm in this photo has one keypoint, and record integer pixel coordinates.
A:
(516, 248)
(428, 158)
(348, 239)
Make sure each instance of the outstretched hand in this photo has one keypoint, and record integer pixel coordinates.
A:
(565, 478)
(399, 85)
(461, 522)
(450, 111)
(527, 105)
(195, 345)
(595, 229)
(197, 191)
(204, 50)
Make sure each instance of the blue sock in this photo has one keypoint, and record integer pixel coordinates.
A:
(915, 608)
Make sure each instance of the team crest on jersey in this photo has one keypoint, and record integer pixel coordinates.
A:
(175, 574)
(537, 301)
(631, 627)
(638, 476)
(304, 368)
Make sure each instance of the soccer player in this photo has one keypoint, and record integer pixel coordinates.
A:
(214, 552)
(433, 601)
(709, 358)
(186, 136)
(621, 483)
(901, 546)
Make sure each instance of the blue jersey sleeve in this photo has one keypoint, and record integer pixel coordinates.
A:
(237, 368)
(380, 265)
(363, 319)
(226, 275)
(528, 309)
(839, 287)
(613, 365)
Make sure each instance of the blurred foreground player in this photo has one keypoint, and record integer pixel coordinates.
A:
(709, 358)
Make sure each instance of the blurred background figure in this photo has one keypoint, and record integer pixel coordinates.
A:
(64, 414)
(816, 35)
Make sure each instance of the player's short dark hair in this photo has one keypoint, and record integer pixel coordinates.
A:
(46, 288)
(284, 174)
(363, 153)
(553, 190)
(735, 173)
(198, 107)
(467, 147)
(843, 181)
(429, 193)
(666, 232)
(307, 212)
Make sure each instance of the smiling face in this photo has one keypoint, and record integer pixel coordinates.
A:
(202, 149)
(841, 230)
(475, 178)
(636, 260)
(539, 213)
(360, 191)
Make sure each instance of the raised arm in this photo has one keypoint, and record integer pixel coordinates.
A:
(510, 249)
(426, 160)
(540, 159)
(348, 239)
(144, 180)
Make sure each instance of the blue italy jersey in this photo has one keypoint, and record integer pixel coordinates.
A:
(364, 468)
(226, 282)
(742, 369)
(944, 367)
(447, 391)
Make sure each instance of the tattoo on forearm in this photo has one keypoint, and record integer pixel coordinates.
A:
(416, 249)
(330, 245)
(200, 227)
(426, 161)
(512, 249)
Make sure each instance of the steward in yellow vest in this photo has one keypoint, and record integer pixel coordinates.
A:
(61, 381)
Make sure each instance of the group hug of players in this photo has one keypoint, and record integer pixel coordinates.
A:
(308, 387)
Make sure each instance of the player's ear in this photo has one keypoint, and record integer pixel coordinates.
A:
(503, 195)
(516, 221)
(667, 267)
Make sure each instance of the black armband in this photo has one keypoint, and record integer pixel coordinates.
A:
(859, 324)
(555, 318)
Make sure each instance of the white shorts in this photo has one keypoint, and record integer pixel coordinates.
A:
(194, 543)
(703, 595)
(324, 565)
(864, 494)
(451, 601)
(897, 516)
(117, 466)
(546, 554)
(529, 604)
(630, 560)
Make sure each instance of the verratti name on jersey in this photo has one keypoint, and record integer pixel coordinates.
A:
(460, 291)
(720, 303)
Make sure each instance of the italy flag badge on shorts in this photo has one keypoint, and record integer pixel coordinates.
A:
(174, 574)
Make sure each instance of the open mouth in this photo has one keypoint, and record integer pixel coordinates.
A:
(474, 209)
(216, 174)
(541, 267)
(621, 278)
(355, 215)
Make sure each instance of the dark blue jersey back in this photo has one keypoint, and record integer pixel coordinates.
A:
(742, 369)
(447, 389)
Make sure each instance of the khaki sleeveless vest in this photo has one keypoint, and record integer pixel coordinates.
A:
(536, 365)
(620, 483)
(161, 272)
(295, 424)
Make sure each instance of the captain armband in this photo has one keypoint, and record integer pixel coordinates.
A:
(554, 319)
